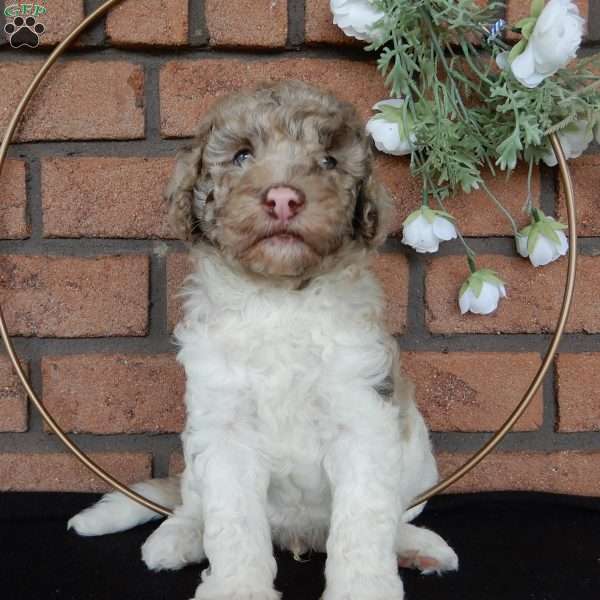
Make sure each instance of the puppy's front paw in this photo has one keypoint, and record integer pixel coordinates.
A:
(226, 590)
(173, 546)
(365, 588)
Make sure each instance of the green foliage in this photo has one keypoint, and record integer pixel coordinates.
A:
(467, 115)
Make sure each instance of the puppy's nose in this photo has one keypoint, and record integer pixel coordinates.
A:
(283, 203)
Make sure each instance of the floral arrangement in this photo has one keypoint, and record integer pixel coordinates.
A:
(464, 102)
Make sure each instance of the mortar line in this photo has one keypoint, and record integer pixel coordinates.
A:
(33, 185)
(198, 48)
(588, 246)
(96, 34)
(549, 190)
(593, 22)
(165, 54)
(161, 342)
(158, 297)
(549, 402)
(151, 105)
(197, 30)
(296, 23)
(521, 441)
(48, 443)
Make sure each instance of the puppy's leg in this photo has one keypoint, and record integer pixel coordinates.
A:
(237, 537)
(177, 542)
(365, 479)
(423, 549)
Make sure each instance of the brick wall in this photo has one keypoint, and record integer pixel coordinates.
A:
(88, 270)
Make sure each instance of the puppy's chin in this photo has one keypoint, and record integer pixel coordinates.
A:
(280, 256)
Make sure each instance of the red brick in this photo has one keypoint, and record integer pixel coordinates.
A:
(252, 23)
(464, 391)
(578, 392)
(75, 297)
(148, 22)
(585, 172)
(13, 201)
(476, 214)
(189, 87)
(64, 473)
(567, 472)
(392, 271)
(105, 197)
(534, 296)
(176, 463)
(13, 399)
(61, 18)
(319, 27)
(517, 10)
(178, 267)
(78, 100)
(100, 393)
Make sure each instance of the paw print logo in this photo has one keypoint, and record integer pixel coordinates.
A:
(24, 32)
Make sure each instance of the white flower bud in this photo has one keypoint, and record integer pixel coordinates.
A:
(425, 228)
(542, 241)
(356, 18)
(389, 128)
(481, 292)
(574, 139)
(551, 40)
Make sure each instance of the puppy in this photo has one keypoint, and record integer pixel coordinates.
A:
(300, 427)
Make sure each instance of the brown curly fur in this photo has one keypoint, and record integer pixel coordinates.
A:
(289, 127)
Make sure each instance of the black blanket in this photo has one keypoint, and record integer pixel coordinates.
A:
(511, 546)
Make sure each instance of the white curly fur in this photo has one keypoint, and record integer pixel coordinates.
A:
(287, 440)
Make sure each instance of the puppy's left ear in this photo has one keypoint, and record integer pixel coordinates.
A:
(184, 218)
(179, 192)
(372, 212)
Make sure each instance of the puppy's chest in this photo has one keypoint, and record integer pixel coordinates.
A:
(287, 361)
(282, 362)
(287, 351)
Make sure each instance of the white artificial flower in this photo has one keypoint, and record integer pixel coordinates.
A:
(552, 44)
(356, 18)
(574, 139)
(388, 128)
(481, 292)
(543, 241)
(425, 228)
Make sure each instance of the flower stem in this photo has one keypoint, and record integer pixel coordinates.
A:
(472, 265)
(528, 206)
(501, 207)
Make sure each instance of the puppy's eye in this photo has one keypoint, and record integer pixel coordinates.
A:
(328, 163)
(241, 157)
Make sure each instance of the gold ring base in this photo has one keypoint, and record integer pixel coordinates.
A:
(461, 472)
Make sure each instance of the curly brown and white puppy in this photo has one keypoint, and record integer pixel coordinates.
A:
(300, 429)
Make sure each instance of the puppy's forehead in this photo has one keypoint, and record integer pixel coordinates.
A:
(301, 113)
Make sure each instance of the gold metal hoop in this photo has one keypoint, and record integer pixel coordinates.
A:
(459, 473)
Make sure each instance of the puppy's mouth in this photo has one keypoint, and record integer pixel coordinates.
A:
(282, 237)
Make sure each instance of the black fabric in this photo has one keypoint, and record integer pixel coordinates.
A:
(511, 546)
